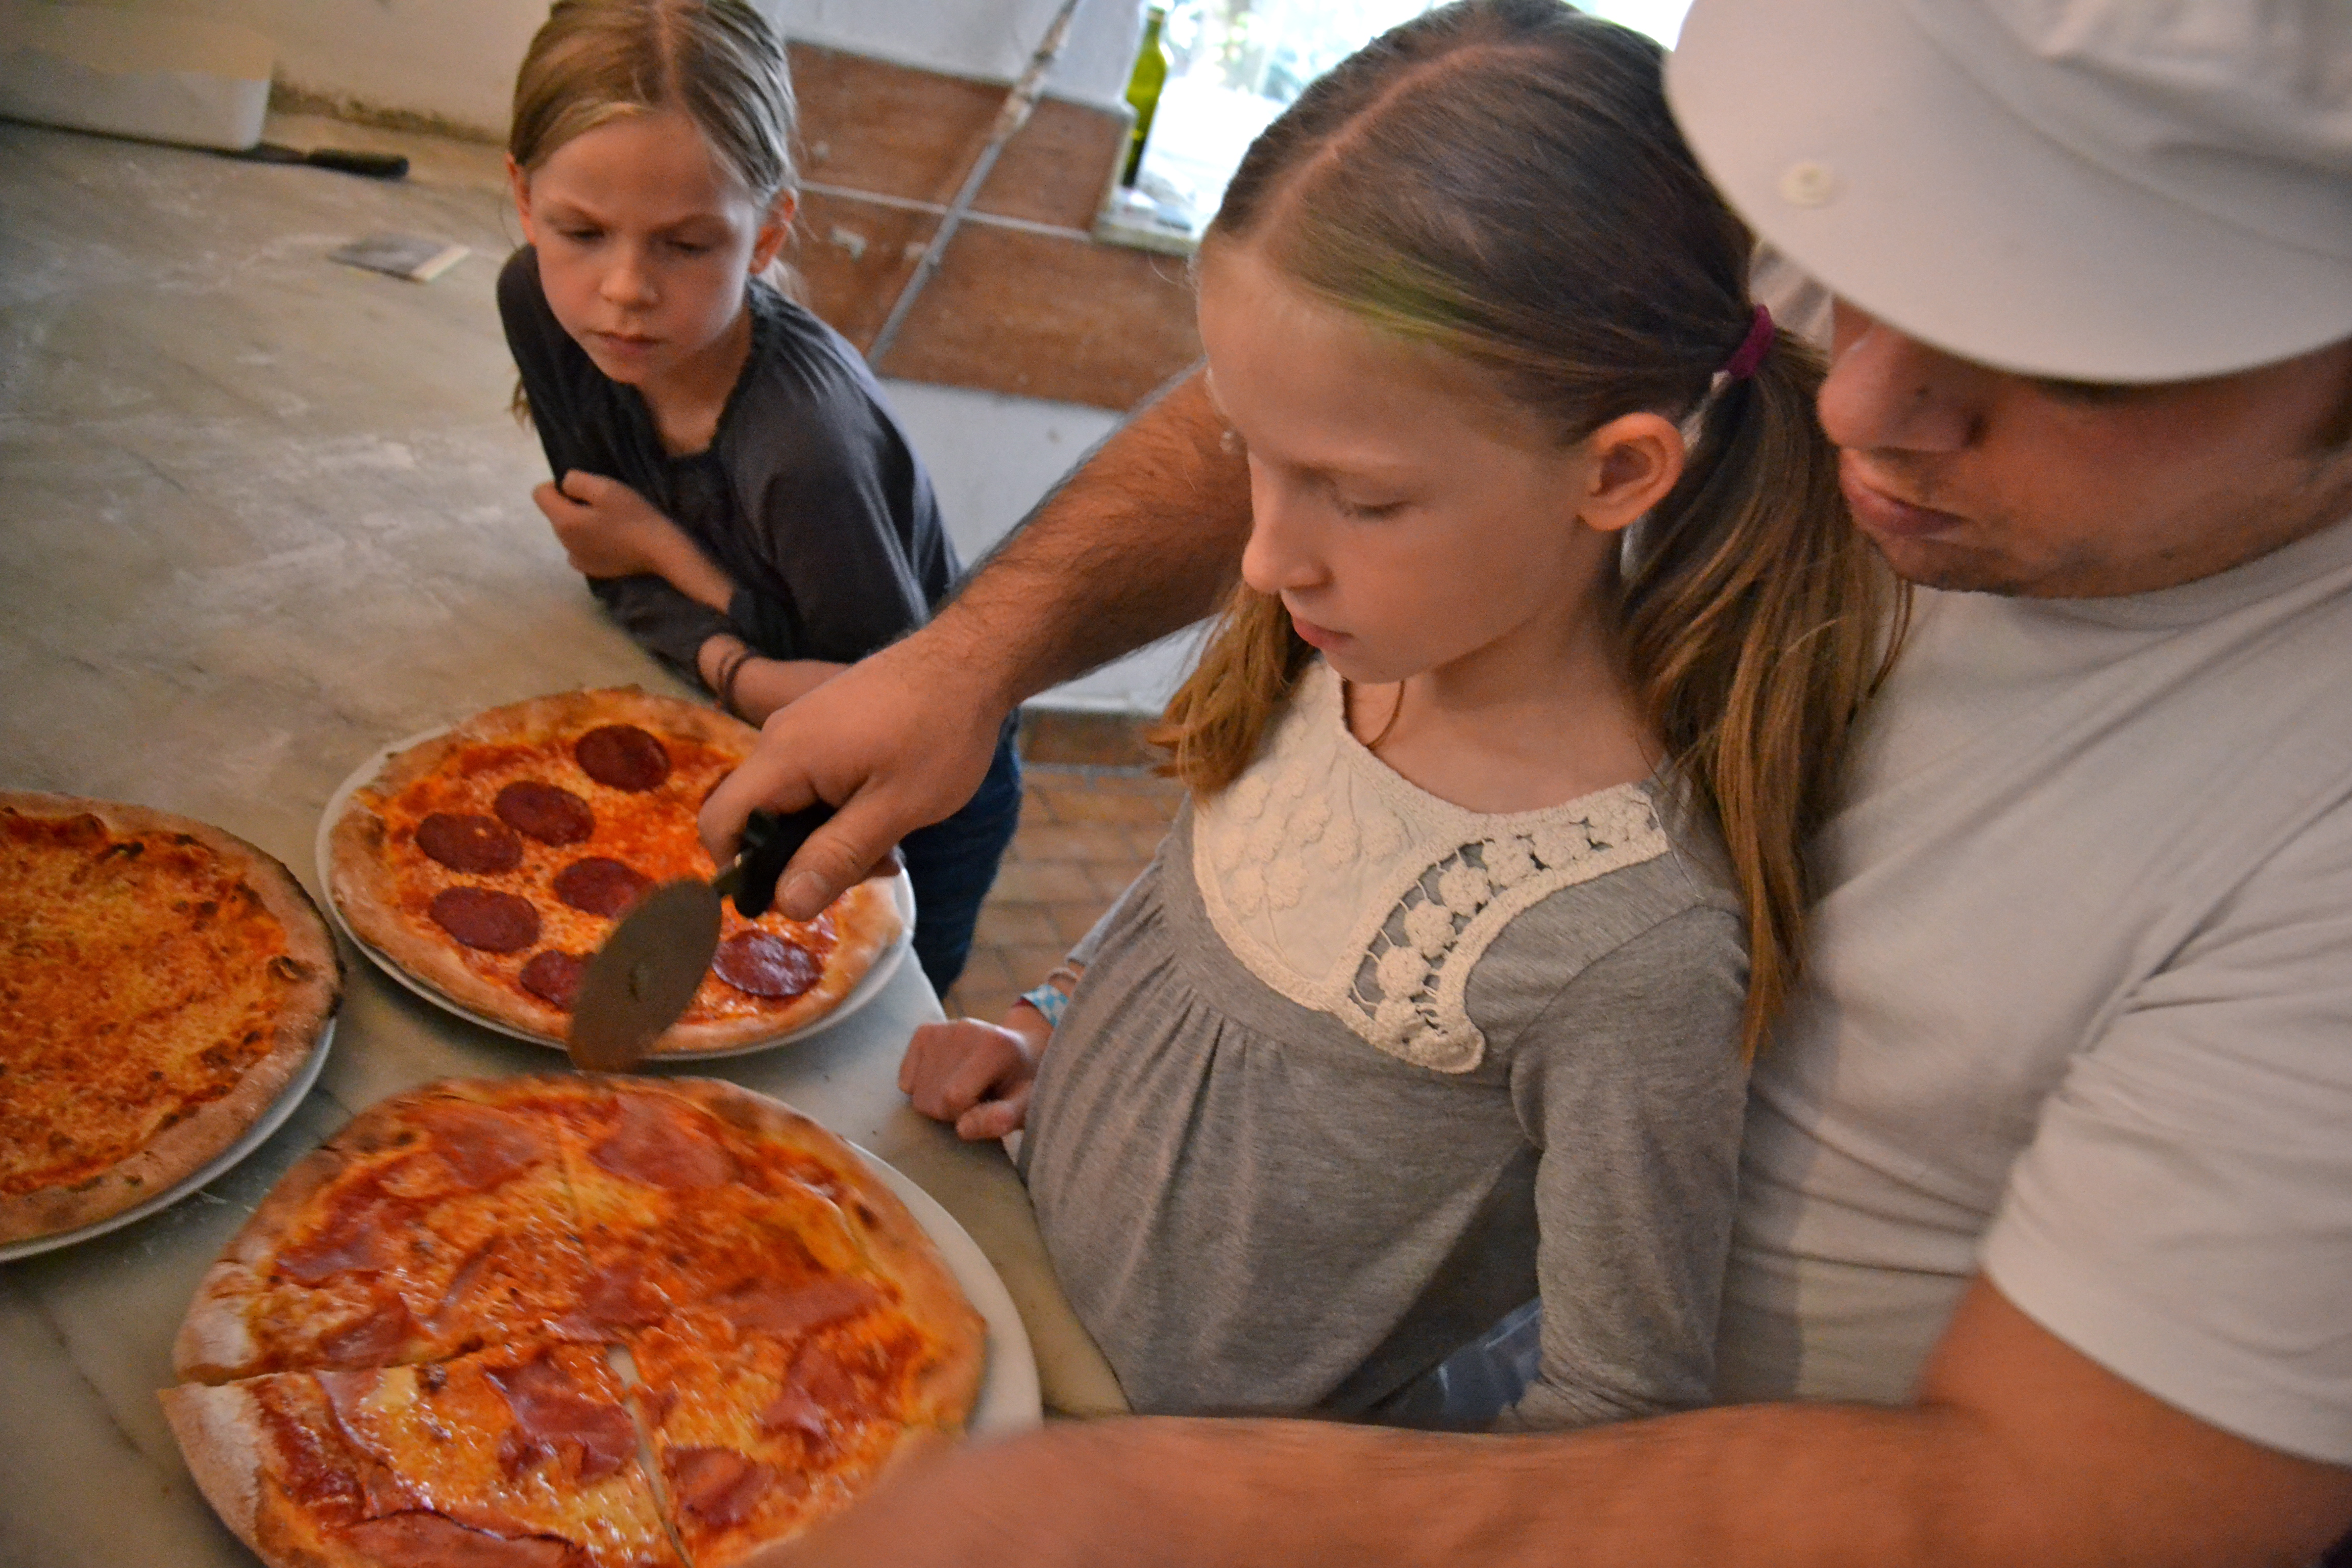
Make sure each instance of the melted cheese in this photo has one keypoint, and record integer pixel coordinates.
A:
(136, 985)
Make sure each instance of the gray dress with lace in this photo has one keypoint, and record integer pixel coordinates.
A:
(1353, 1072)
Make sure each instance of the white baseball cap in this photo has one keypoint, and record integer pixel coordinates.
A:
(2102, 190)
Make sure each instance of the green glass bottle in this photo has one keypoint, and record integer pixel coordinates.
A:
(1143, 90)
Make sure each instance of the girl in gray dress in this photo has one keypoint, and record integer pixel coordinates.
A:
(1438, 995)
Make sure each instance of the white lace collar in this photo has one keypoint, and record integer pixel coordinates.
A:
(1352, 891)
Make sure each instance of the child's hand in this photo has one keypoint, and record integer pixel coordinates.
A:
(975, 1075)
(765, 685)
(610, 530)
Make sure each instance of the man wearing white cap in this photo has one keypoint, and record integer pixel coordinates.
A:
(2045, 1248)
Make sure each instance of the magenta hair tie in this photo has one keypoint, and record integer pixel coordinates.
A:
(1749, 356)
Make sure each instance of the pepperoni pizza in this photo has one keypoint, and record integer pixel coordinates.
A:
(491, 860)
(162, 984)
(565, 1322)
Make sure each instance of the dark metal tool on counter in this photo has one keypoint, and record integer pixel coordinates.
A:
(644, 977)
(343, 160)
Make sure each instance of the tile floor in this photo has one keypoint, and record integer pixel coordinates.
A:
(1092, 815)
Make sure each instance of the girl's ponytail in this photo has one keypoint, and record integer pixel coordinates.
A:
(1757, 621)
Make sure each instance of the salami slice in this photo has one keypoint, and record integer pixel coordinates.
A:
(485, 920)
(548, 813)
(478, 846)
(601, 886)
(374, 1339)
(552, 1414)
(652, 1145)
(721, 1486)
(422, 1539)
(775, 1307)
(765, 965)
(554, 978)
(622, 756)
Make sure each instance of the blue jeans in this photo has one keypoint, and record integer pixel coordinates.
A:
(1471, 1387)
(952, 863)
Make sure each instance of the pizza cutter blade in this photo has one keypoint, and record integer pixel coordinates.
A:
(645, 976)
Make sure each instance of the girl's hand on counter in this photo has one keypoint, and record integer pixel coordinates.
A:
(608, 529)
(975, 1075)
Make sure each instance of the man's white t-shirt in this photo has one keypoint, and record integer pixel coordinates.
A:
(2079, 1010)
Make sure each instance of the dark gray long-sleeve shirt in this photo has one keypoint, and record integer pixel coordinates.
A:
(809, 498)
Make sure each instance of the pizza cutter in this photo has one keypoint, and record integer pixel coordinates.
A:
(645, 976)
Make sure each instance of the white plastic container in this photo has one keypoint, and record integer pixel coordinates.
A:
(162, 79)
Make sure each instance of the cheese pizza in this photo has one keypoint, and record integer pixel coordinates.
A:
(162, 983)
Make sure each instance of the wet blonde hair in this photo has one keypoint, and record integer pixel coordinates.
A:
(1500, 180)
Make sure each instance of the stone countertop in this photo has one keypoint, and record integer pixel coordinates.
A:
(263, 515)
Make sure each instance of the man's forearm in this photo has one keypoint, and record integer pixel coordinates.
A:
(1759, 1487)
(2020, 1453)
(1781, 1486)
(1144, 538)
(1770, 1487)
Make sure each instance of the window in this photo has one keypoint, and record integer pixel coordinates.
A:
(1234, 65)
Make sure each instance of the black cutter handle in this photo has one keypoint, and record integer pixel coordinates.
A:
(771, 839)
(375, 165)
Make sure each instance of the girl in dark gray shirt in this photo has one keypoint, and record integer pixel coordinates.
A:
(727, 472)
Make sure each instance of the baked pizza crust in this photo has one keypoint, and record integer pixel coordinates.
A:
(365, 886)
(214, 1341)
(235, 1450)
(225, 1436)
(219, 1431)
(186, 1146)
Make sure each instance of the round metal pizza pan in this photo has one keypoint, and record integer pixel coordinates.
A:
(1009, 1397)
(269, 1121)
(902, 896)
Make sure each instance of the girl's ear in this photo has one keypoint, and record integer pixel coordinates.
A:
(519, 184)
(775, 227)
(1635, 459)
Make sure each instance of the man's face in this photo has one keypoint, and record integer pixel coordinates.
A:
(1973, 478)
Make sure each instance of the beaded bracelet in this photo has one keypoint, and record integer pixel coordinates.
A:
(725, 685)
